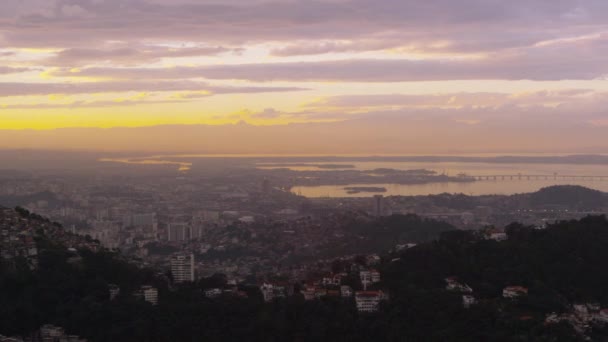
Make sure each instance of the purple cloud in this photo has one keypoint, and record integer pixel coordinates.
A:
(571, 59)
(29, 89)
(468, 24)
(130, 55)
(10, 70)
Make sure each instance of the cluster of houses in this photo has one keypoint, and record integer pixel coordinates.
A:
(496, 234)
(18, 244)
(312, 292)
(329, 285)
(47, 333)
(231, 291)
(581, 317)
(148, 293)
(272, 291)
(51, 333)
(514, 292)
(332, 285)
(18, 238)
(453, 285)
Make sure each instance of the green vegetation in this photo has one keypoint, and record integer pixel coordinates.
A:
(378, 236)
(570, 195)
(561, 265)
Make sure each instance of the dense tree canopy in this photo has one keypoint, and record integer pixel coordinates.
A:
(561, 265)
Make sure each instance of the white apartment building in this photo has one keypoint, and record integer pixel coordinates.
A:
(182, 268)
(368, 301)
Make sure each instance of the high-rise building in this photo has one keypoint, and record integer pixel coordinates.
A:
(210, 215)
(182, 267)
(144, 219)
(178, 232)
(378, 205)
(197, 231)
(138, 220)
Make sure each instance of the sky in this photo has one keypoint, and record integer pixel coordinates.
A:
(288, 76)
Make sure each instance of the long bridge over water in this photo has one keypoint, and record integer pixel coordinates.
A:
(528, 177)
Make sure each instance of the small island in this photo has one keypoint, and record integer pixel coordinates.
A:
(356, 189)
(318, 166)
(415, 172)
(334, 166)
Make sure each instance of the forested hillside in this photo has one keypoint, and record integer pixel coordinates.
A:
(560, 266)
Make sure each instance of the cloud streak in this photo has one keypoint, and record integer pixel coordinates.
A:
(8, 89)
(130, 55)
(463, 99)
(10, 70)
(567, 60)
(86, 104)
(71, 21)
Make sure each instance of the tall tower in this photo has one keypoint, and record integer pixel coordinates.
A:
(182, 268)
(378, 205)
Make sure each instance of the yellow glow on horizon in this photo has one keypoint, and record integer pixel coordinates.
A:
(39, 50)
(188, 94)
(135, 97)
(58, 97)
(147, 108)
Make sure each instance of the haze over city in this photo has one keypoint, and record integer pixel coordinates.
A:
(303, 170)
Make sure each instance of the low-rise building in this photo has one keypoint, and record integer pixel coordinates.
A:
(150, 294)
(320, 293)
(51, 333)
(368, 301)
(114, 291)
(602, 316)
(309, 294)
(270, 292)
(334, 279)
(369, 277)
(452, 284)
(468, 301)
(346, 291)
(496, 235)
(513, 292)
(213, 293)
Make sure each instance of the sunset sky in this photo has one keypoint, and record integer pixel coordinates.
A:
(453, 72)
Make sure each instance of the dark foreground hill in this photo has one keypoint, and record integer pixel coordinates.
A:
(569, 195)
(560, 266)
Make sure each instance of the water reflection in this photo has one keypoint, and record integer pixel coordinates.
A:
(499, 187)
(469, 168)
